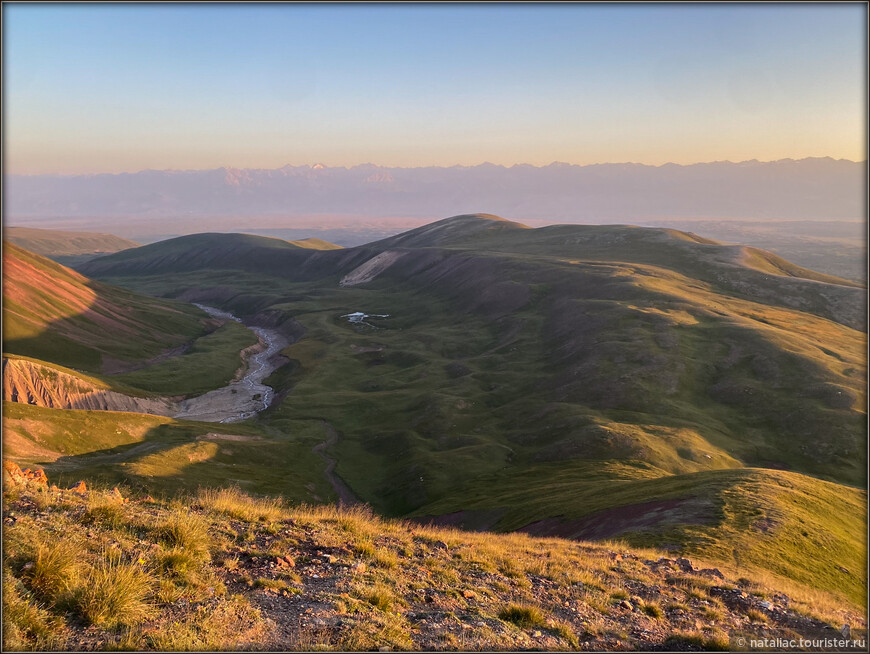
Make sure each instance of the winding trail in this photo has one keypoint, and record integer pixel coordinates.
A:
(346, 496)
(239, 400)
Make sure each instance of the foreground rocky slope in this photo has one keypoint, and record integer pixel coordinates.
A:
(86, 569)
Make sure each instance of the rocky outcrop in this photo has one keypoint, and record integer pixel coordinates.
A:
(32, 383)
(13, 475)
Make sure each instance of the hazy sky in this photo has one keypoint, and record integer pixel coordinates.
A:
(91, 88)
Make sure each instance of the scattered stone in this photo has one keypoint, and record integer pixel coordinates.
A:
(116, 495)
(766, 605)
(358, 568)
(685, 565)
(384, 648)
(468, 594)
(285, 562)
(625, 604)
(711, 572)
(440, 545)
(79, 487)
(537, 634)
(330, 558)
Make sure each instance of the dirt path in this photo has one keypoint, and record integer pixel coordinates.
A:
(346, 496)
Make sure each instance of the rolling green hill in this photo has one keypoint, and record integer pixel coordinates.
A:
(55, 314)
(514, 378)
(67, 248)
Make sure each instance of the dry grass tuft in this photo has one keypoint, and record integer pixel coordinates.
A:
(53, 571)
(237, 504)
(185, 531)
(524, 616)
(115, 593)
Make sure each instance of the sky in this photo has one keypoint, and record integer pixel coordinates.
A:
(93, 88)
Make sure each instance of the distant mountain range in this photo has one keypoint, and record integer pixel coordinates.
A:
(814, 188)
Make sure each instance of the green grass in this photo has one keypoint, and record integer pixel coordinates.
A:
(555, 372)
(162, 455)
(210, 363)
(185, 531)
(453, 409)
(789, 524)
(53, 314)
(523, 616)
(114, 594)
(236, 504)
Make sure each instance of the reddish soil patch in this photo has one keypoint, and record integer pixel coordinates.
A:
(619, 520)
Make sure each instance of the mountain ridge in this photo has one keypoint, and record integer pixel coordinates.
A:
(808, 188)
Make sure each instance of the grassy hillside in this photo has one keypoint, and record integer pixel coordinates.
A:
(789, 524)
(315, 244)
(705, 397)
(270, 256)
(162, 455)
(53, 313)
(221, 570)
(210, 362)
(747, 273)
(67, 248)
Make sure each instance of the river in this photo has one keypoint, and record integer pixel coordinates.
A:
(241, 399)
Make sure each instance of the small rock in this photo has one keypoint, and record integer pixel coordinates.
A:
(711, 572)
(537, 634)
(330, 558)
(116, 495)
(384, 648)
(429, 599)
(440, 545)
(766, 605)
(468, 594)
(79, 487)
(685, 565)
(625, 604)
(358, 568)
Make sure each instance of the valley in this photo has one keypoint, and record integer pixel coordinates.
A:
(246, 396)
(606, 383)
